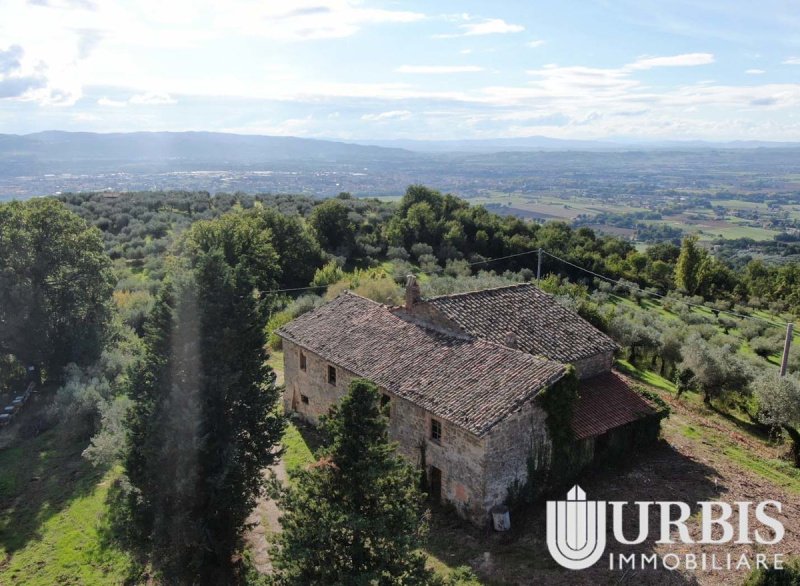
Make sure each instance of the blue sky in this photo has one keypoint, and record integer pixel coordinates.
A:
(359, 70)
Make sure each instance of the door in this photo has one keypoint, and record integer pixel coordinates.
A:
(435, 484)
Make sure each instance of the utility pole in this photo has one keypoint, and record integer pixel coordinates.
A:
(786, 346)
(539, 268)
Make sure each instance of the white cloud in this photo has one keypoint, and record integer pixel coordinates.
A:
(492, 26)
(791, 61)
(438, 69)
(109, 103)
(152, 98)
(145, 99)
(685, 60)
(390, 115)
(535, 43)
(489, 26)
(755, 71)
(307, 19)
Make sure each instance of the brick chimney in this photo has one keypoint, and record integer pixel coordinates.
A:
(510, 340)
(412, 292)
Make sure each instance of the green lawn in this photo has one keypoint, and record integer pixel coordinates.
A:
(52, 515)
(297, 451)
(646, 376)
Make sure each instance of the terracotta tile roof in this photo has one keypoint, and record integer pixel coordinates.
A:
(470, 382)
(607, 401)
(542, 326)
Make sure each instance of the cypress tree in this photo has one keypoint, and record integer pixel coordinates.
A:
(356, 516)
(205, 420)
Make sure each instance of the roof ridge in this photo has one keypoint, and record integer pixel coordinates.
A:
(511, 286)
(539, 357)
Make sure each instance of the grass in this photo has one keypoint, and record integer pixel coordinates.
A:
(648, 377)
(52, 514)
(777, 471)
(275, 360)
(297, 452)
(70, 549)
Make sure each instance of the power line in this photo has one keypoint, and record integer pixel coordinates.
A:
(429, 273)
(634, 286)
(630, 285)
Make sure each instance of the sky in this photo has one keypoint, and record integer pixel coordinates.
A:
(368, 70)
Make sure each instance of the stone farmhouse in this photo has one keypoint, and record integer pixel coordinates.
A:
(460, 375)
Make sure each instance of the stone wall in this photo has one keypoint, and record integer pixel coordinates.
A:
(593, 365)
(459, 455)
(311, 383)
(510, 444)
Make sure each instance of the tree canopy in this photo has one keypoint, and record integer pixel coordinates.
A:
(55, 286)
(355, 516)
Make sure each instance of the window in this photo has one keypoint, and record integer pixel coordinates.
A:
(332, 375)
(304, 399)
(385, 405)
(436, 430)
(302, 361)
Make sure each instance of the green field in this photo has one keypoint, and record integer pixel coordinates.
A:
(700, 221)
(53, 526)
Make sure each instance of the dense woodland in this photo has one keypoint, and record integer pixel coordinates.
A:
(150, 315)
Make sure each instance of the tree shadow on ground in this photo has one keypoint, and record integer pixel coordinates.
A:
(312, 436)
(658, 473)
(754, 428)
(41, 473)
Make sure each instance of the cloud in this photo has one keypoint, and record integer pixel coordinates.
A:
(145, 99)
(754, 71)
(535, 43)
(438, 69)
(318, 19)
(107, 102)
(791, 61)
(13, 82)
(685, 60)
(10, 59)
(64, 4)
(152, 98)
(16, 87)
(390, 115)
(489, 26)
(87, 41)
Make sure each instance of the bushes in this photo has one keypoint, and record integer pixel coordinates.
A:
(296, 308)
(275, 322)
(328, 274)
(788, 576)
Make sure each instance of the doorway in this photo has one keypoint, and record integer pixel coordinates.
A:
(435, 484)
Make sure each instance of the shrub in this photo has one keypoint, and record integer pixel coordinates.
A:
(397, 253)
(764, 346)
(328, 274)
(276, 321)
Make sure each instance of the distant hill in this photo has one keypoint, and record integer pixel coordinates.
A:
(56, 162)
(201, 147)
(543, 143)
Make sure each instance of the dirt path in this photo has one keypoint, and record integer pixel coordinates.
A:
(265, 518)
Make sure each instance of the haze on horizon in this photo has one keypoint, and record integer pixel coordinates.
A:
(373, 69)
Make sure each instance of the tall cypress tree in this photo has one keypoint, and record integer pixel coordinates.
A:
(205, 421)
(356, 516)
